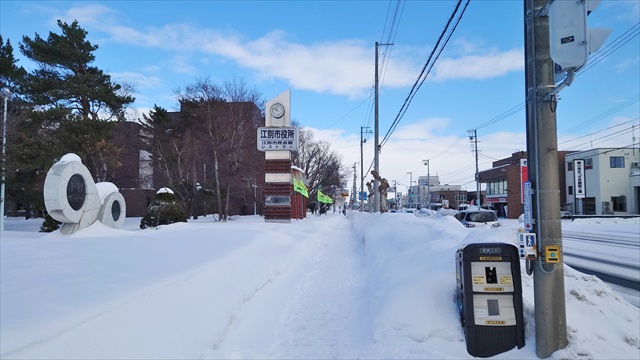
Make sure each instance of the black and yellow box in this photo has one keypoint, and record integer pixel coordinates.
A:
(489, 297)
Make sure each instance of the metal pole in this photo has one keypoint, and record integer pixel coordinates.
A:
(375, 146)
(428, 187)
(354, 189)
(395, 187)
(426, 162)
(5, 93)
(410, 189)
(361, 172)
(255, 207)
(542, 154)
(475, 136)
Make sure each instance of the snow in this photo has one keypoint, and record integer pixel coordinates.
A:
(70, 157)
(164, 190)
(361, 286)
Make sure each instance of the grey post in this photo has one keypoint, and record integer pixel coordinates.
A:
(6, 93)
(542, 153)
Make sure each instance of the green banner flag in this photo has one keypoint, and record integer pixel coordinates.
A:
(298, 186)
(324, 198)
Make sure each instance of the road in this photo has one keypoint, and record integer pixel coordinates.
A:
(613, 257)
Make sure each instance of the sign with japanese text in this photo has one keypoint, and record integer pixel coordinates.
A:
(278, 138)
(528, 208)
(524, 176)
(578, 179)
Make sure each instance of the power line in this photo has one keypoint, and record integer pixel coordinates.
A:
(595, 132)
(393, 31)
(348, 112)
(598, 56)
(623, 39)
(613, 134)
(612, 47)
(603, 115)
(422, 77)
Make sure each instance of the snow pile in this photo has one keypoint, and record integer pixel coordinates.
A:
(360, 286)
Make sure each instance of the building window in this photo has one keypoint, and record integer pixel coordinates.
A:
(616, 161)
(570, 190)
(570, 166)
(497, 187)
(619, 203)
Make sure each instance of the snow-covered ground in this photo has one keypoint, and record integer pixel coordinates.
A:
(360, 286)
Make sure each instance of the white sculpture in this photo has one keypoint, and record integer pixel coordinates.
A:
(73, 198)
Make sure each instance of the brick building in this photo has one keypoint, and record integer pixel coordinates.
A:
(138, 178)
(504, 183)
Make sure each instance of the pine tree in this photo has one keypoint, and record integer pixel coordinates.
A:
(11, 75)
(26, 145)
(75, 100)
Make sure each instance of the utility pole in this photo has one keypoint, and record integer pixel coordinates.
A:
(410, 192)
(354, 188)
(473, 136)
(362, 141)
(542, 154)
(376, 147)
(426, 162)
(395, 187)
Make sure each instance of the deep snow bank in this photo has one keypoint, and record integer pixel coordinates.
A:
(412, 280)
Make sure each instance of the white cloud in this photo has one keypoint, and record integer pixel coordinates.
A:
(341, 67)
(486, 66)
(90, 13)
(180, 64)
(140, 80)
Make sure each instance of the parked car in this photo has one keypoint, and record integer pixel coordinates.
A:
(566, 214)
(477, 217)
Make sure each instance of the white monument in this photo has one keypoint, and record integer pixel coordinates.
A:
(73, 198)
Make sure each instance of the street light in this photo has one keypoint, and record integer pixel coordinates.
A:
(5, 94)
(426, 162)
(409, 200)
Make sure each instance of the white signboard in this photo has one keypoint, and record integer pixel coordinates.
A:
(580, 187)
(528, 209)
(278, 139)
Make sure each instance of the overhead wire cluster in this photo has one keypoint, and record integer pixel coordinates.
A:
(393, 19)
(446, 34)
(444, 38)
(602, 54)
(611, 47)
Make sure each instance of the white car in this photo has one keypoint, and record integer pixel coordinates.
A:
(565, 214)
(475, 217)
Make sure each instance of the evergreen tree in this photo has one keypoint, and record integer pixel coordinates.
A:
(11, 75)
(27, 153)
(66, 78)
(74, 99)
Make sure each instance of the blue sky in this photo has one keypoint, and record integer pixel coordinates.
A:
(323, 51)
